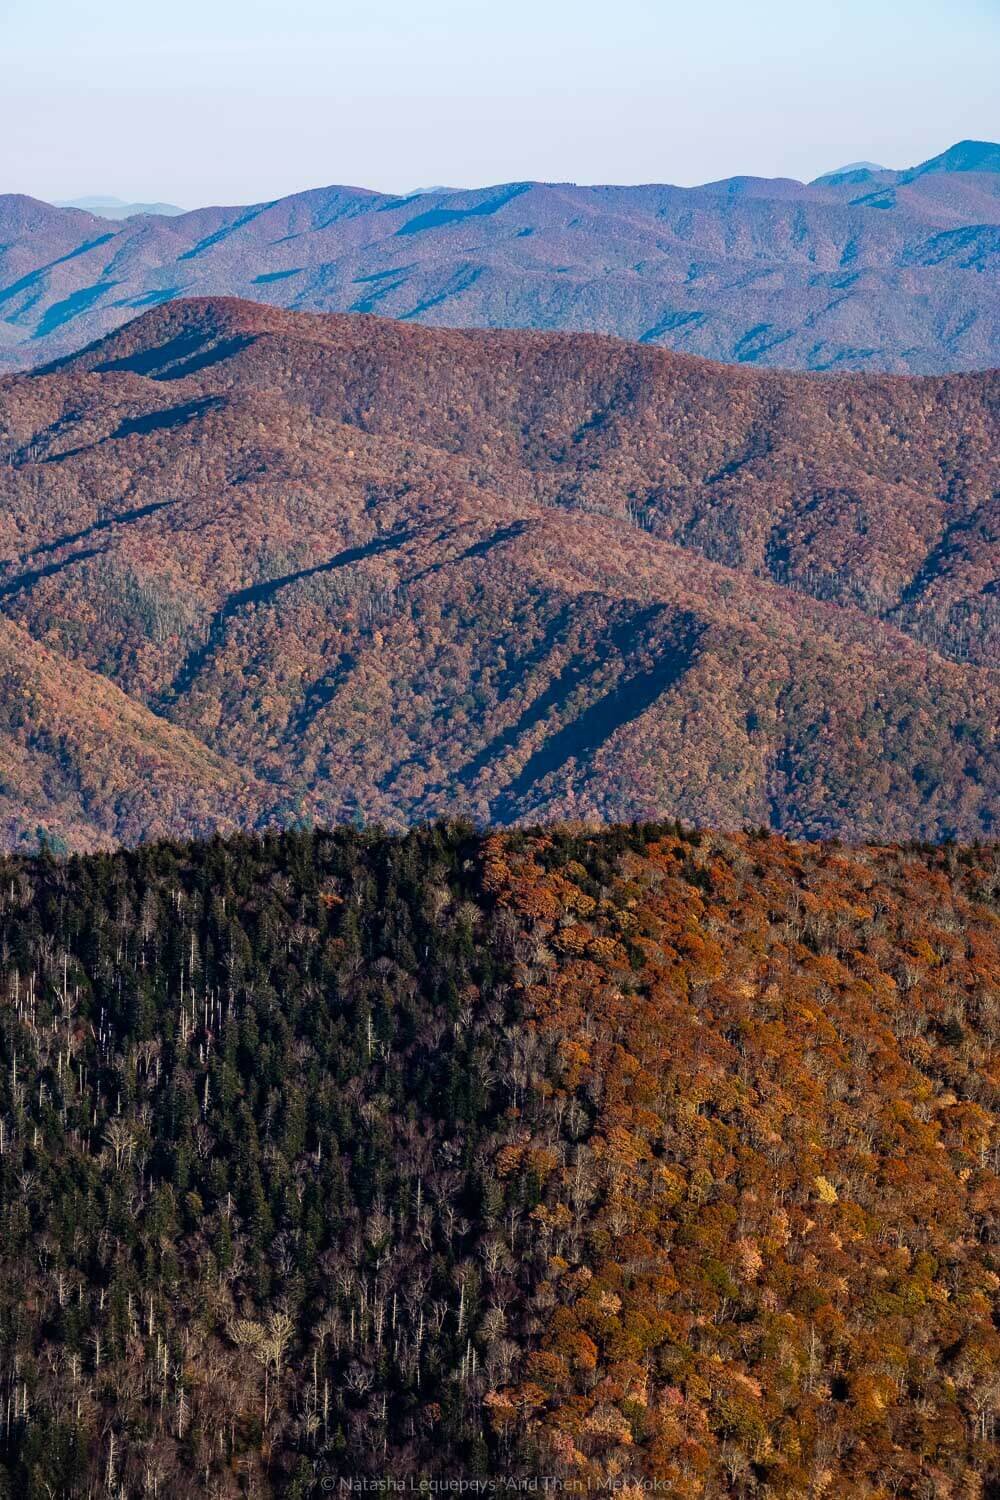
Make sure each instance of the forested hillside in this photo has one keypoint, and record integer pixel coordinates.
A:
(327, 568)
(625, 1156)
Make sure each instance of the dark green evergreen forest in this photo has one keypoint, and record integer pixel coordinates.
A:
(248, 1092)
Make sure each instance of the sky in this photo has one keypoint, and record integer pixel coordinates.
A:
(239, 101)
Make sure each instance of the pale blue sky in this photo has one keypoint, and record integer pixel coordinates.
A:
(234, 101)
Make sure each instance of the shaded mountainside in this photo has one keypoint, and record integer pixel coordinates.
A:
(73, 741)
(860, 270)
(630, 1158)
(397, 573)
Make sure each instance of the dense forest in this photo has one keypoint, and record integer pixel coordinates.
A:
(260, 568)
(632, 1158)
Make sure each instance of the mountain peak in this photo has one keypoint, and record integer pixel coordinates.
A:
(850, 167)
(854, 171)
(964, 156)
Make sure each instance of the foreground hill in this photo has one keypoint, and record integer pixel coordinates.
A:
(859, 270)
(633, 1159)
(396, 573)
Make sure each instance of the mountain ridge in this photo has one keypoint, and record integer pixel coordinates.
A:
(891, 272)
(392, 572)
(964, 156)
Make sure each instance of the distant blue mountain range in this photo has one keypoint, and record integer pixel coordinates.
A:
(116, 208)
(865, 268)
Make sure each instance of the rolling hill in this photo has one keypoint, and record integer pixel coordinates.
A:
(863, 269)
(337, 567)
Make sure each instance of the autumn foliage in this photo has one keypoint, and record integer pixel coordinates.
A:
(331, 568)
(624, 1157)
(768, 1249)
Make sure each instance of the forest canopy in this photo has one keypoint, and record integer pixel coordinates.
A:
(260, 567)
(627, 1157)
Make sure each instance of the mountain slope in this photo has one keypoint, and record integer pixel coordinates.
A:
(879, 493)
(84, 765)
(646, 1161)
(885, 270)
(397, 572)
(964, 156)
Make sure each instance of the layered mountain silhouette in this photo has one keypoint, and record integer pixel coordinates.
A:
(862, 269)
(118, 208)
(260, 566)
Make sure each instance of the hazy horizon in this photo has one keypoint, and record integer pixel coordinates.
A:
(92, 199)
(241, 104)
